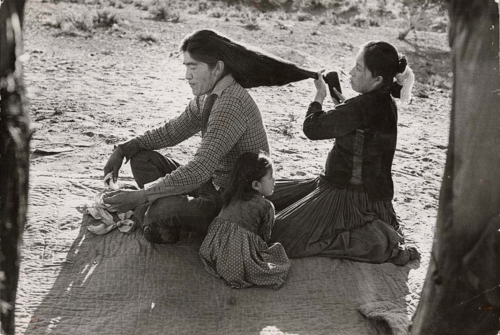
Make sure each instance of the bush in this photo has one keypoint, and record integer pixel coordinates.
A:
(162, 11)
(83, 21)
(419, 14)
(106, 18)
(360, 21)
(304, 17)
(148, 37)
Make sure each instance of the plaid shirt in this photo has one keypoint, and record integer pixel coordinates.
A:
(234, 127)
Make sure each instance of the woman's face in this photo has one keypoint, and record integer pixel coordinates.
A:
(362, 80)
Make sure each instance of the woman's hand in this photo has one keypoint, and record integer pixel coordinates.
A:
(321, 91)
(125, 200)
(338, 101)
(114, 163)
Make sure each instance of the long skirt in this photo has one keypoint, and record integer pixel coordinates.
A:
(242, 258)
(314, 217)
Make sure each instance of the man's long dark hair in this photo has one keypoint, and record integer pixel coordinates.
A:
(249, 65)
(248, 168)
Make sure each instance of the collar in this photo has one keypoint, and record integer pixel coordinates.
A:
(222, 85)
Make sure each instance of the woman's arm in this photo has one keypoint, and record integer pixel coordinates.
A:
(340, 121)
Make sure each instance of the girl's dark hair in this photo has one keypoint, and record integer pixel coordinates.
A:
(382, 59)
(248, 168)
(208, 47)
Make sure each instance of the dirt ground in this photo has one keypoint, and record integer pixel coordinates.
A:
(91, 89)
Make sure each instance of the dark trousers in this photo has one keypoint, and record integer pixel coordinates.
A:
(167, 218)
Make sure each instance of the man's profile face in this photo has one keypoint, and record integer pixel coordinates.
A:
(200, 77)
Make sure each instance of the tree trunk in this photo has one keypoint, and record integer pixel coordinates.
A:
(14, 157)
(461, 293)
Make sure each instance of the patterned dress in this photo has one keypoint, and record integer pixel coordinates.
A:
(236, 250)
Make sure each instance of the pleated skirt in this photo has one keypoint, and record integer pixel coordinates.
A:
(316, 218)
(242, 258)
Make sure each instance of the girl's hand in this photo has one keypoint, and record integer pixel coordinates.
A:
(337, 101)
(321, 90)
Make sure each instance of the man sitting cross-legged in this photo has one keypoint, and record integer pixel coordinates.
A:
(173, 197)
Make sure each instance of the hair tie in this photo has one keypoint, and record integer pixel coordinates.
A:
(406, 80)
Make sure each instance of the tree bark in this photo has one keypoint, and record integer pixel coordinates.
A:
(461, 293)
(14, 157)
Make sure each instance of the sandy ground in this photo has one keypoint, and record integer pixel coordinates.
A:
(90, 90)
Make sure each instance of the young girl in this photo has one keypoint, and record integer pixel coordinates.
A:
(235, 247)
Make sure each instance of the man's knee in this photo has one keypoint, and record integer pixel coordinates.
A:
(182, 212)
(147, 166)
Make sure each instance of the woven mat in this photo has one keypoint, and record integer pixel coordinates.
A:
(120, 284)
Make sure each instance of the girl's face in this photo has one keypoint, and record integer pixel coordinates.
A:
(362, 80)
(265, 185)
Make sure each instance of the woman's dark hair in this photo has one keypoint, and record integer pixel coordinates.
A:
(208, 47)
(248, 168)
(382, 59)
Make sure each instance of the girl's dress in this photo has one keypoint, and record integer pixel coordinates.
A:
(236, 248)
(347, 212)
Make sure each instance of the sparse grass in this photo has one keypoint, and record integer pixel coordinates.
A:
(304, 17)
(83, 21)
(288, 128)
(148, 37)
(251, 26)
(358, 13)
(216, 14)
(107, 18)
(438, 81)
(76, 22)
(362, 21)
(163, 11)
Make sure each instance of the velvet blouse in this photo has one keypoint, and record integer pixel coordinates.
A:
(365, 133)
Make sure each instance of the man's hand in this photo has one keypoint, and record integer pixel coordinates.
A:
(114, 163)
(125, 200)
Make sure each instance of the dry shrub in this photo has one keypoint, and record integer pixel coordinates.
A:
(106, 18)
(304, 17)
(82, 20)
(438, 81)
(162, 11)
(148, 37)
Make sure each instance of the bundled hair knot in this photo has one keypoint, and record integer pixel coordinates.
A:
(405, 79)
